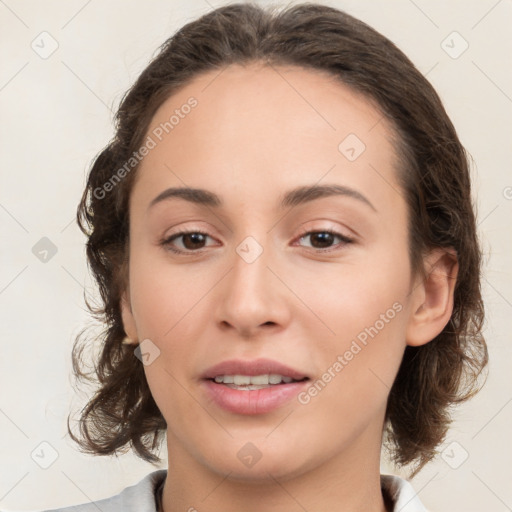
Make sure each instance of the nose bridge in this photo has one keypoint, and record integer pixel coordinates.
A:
(250, 297)
(250, 275)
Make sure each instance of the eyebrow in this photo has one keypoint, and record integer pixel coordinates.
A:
(294, 197)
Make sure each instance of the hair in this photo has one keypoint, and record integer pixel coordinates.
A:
(433, 173)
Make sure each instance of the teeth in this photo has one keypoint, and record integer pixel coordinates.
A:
(257, 380)
(274, 379)
(242, 380)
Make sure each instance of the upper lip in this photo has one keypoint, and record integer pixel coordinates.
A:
(252, 367)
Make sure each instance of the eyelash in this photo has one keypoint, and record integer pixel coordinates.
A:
(166, 242)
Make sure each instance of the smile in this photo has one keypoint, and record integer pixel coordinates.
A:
(255, 386)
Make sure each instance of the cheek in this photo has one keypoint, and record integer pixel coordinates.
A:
(165, 295)
(363, 311)
(358, 363)
(349, 299)
(170, 304)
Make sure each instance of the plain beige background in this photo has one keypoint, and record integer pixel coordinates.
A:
(56, 114)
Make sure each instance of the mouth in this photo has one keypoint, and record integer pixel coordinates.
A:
(252, 387)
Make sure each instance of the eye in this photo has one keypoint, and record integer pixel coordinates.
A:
(324, 239)
(186, 241)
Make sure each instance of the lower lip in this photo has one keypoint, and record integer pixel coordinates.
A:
(256, 401)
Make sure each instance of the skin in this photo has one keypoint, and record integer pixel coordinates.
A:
(256, 133)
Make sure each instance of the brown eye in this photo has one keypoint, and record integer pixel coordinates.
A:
(324, 239)
(191, 241)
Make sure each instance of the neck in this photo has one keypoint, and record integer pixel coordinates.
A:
(348, 482)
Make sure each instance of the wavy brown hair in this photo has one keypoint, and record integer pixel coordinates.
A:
(435, 181)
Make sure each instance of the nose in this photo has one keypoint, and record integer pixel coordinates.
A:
(251, 299)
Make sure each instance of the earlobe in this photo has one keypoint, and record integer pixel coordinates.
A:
(433, 297)
(127, 316)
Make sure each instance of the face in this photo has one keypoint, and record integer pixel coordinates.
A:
(272, 278)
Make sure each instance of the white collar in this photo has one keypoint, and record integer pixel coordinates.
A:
(402, 494)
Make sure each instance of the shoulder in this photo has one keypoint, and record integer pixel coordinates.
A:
(137, 498)
(402, 494)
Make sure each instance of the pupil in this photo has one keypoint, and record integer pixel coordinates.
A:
(195, 238)
(325, 239)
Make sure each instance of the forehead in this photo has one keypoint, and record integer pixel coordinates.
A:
(254, 126)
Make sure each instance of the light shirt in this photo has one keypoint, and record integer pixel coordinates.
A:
(145, 496)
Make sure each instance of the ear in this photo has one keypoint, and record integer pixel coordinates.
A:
(128, 321)
(432, 301)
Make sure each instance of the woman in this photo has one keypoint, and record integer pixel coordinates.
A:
(284, 241)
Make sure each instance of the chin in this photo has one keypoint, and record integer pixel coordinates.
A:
(259, 461)
(263, 471)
